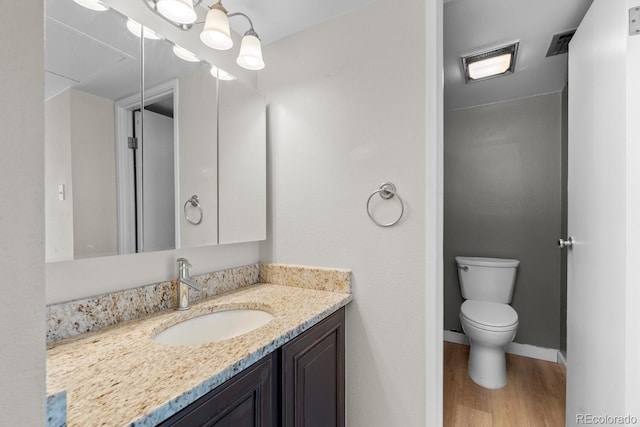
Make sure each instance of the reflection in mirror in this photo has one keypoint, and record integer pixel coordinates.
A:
(118, 181)
(102, 197)
(89, 64)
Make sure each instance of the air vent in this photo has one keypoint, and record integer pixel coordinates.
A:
(560, 43)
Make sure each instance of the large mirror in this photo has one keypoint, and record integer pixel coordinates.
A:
(122, 166)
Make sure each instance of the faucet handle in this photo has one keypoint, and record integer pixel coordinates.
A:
(183, 263)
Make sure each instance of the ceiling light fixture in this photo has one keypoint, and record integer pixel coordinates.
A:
(489, 64)
(216, 33)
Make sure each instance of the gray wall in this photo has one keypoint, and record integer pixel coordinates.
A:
(22, 320)
(502, 198)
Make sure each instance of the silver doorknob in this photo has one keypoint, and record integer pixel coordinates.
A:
(565, 243)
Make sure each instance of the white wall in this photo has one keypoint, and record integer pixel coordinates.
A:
(57, 167)
(93, 166)
(22, 323)
(80, 153)
(348, 111)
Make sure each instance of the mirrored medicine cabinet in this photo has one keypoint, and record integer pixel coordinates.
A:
(144, 151)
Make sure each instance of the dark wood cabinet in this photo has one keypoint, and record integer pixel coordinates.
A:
(299, 385)
(246, 400)
(312, 376)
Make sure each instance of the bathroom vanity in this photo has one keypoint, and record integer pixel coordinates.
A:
(299, 384)
(288, 372)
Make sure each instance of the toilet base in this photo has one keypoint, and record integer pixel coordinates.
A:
(487, 366)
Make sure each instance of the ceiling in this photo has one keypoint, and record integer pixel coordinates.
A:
(94, 52)
(472, 26)
(276, 19)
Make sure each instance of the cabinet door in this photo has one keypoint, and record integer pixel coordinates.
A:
(197, 158)
(242, 163)
(246, 400)
(313, 376)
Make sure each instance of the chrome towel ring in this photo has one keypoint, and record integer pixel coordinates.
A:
(195, 202)
(387, 191)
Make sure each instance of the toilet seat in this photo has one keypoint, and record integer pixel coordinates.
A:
(490, 316)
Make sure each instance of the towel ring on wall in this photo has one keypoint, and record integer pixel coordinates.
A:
(387, 191)
(195, 202)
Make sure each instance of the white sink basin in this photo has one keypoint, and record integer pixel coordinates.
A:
(213, 327)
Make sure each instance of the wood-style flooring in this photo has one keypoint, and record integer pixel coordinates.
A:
(533, 397)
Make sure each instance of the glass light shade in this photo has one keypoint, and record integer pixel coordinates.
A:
(180, 11)
(135, 28)
(490, 66)
(216, 30)
(250, 56)
(221, 74)
(92, 4)
(184, 54)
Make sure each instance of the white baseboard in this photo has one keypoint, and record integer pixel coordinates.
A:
(455, 337)
(527, 350)
(562, 361)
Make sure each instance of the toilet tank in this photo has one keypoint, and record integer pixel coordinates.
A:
(487, 279)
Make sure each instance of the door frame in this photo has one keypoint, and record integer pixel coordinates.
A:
(125, 184)
(434, 223)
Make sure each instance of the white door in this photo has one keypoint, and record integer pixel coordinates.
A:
(155, 194)
(602, 332)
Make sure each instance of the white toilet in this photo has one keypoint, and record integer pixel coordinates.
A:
(487, 319)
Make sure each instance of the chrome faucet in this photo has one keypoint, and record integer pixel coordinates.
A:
(183, 284)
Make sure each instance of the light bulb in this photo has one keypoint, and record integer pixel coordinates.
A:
(180, 11)
(490, 66)
(250, 56)
(216, 29)
(184, 54)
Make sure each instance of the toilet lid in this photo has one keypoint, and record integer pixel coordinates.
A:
(489, 313)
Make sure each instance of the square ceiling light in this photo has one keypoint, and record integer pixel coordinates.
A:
(489, 64)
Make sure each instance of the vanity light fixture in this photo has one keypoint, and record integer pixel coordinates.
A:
(489, 64)
(135, 28)
(92, 4)
(215, 33)
(185, 54)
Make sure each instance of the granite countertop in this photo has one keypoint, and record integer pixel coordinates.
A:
(120, 376)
